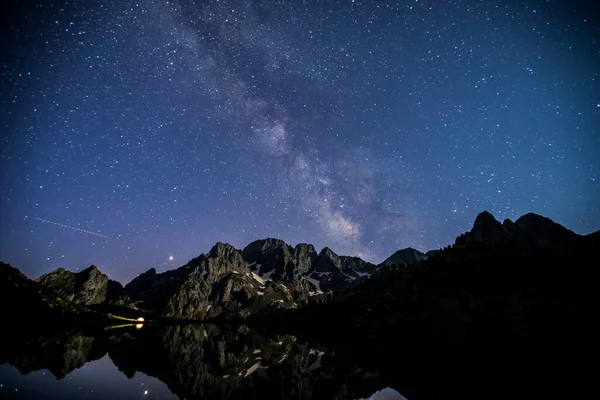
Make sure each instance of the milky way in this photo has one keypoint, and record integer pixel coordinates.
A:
(164, 127)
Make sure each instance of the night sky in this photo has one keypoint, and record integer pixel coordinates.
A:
(138, 134)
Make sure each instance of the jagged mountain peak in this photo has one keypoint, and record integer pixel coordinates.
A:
(534, 216)
(543, 230)
(536, 219)
(485, 215)
(275, 260)
(142, 281)
(351, 258)
(327, 252)
(488, 229)
(90, 272)
(305, 246)
(274, 242)
(267, 243)
(328, 261)
(409, 250)
(528, 230)
(258, 248)
(221, 249)
(405, 257)
(88, 286)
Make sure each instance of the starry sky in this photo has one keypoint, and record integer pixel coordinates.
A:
(136, 134)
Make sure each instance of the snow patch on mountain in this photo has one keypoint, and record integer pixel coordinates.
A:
(250, 370)
(267, 276)
(317, 363)
(349, 276)
(316, 283)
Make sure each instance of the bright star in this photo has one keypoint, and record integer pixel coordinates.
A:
(170, 258)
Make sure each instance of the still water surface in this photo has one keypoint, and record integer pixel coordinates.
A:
(182, 362)
(99, 379)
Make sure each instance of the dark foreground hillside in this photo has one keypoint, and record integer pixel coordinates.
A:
(498, 316)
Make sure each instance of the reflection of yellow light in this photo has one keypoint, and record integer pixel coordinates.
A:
(139, 326)
(106, 328)
(141, 319)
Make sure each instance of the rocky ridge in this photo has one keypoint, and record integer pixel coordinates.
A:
(405, 258)
(217, 283)
(270, 274)
(89, 286)
(225, 282)
(528, 231)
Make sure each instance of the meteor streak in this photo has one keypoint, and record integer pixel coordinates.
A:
(71, 227)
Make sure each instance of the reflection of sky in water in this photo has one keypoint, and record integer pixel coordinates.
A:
(98, 379)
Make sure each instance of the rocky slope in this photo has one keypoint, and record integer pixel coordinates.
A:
(218, 283)
(231, 283)
(89, 286)
(275, 259)
(226, 282)
(303, 268)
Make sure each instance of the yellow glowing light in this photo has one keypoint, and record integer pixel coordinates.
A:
(139, 326)
(141, 319)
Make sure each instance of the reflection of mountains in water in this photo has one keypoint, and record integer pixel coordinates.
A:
(205, 361)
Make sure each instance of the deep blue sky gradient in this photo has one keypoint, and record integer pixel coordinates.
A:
(362, 126)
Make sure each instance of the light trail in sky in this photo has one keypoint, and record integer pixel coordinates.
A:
(72, 228)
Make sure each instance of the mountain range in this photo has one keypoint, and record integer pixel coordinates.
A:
(270, 275)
